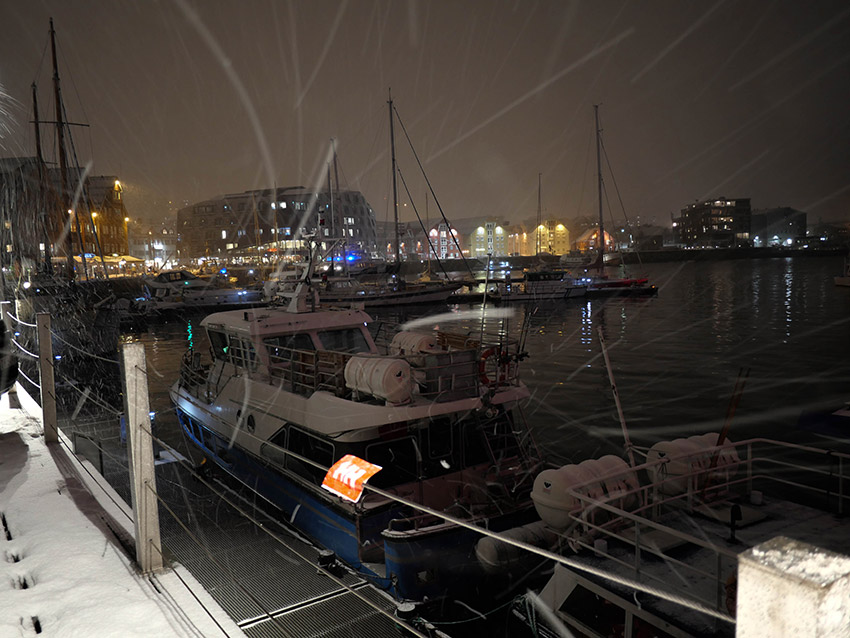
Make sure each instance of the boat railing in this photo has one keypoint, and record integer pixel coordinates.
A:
(193, 374)
(497, 356)
(649, 519)
(440, 375)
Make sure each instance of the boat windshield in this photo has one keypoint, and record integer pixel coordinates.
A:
(350, 340)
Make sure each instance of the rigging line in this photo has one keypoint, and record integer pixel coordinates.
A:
(617, 190)
(433, 194)
(271, 534)
(86, 195)
(421, 225)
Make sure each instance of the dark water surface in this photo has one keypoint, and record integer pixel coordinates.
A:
(675, 357)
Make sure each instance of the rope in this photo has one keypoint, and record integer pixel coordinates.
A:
(21, 372)
(81, 351)
(80, 463)
(24, 350)
(191, 591)
(21, 321)
(94, 397)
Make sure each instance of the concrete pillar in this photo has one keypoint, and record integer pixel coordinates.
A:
(140, 454)
(790, 588)
(46, 379)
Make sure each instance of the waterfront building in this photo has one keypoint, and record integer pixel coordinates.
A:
(156, 244)
(779, 227)
(109, 218)
(273, 221)
(445, 242)
(36, 227)
(715, 223)
(588, 241)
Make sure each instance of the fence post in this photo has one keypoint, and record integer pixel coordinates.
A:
(5, 314)
(140, 453)
(48, 385)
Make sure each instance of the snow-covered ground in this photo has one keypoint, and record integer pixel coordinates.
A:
(62, 570)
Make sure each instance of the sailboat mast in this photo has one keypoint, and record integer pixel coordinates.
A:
(599, 185)
(63, 161)
(395, 185)
(44, 218)
(342, 225)
(539, 208)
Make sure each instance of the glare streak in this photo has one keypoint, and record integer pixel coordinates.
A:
(687, 32)
(716, 188)
(540, 87)
(791, 50)
(328, 43)
(241, 90)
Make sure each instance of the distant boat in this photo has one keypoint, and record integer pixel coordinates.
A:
(540, 285)
(345, 291)
(180, 290)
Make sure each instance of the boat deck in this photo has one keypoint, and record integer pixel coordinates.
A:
(673, 562)
(698, 571)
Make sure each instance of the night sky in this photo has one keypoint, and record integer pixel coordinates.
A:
(187, 100)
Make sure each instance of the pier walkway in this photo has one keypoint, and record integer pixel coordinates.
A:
(67, 548)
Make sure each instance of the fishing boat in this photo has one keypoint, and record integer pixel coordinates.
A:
(653, 548)
(649, 544)
(291, 391)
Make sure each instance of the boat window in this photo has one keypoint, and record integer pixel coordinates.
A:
(399, 460)
(274, 450)
(218, 343)
(280, 347)
(242, 354)
(474, 445)
(313, 448)
(439, 438)
(350, 340)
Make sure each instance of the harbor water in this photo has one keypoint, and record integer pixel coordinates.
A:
(675, 357)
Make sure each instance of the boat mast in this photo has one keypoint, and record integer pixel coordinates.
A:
(601, 258)
(43, 216)
(333, 225)
(336, 180)
(395, 186)
(63, 165)
(539, 209)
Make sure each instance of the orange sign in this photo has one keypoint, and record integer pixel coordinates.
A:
(347, 477)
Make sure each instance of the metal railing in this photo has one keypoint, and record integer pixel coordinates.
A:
(802, 473)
